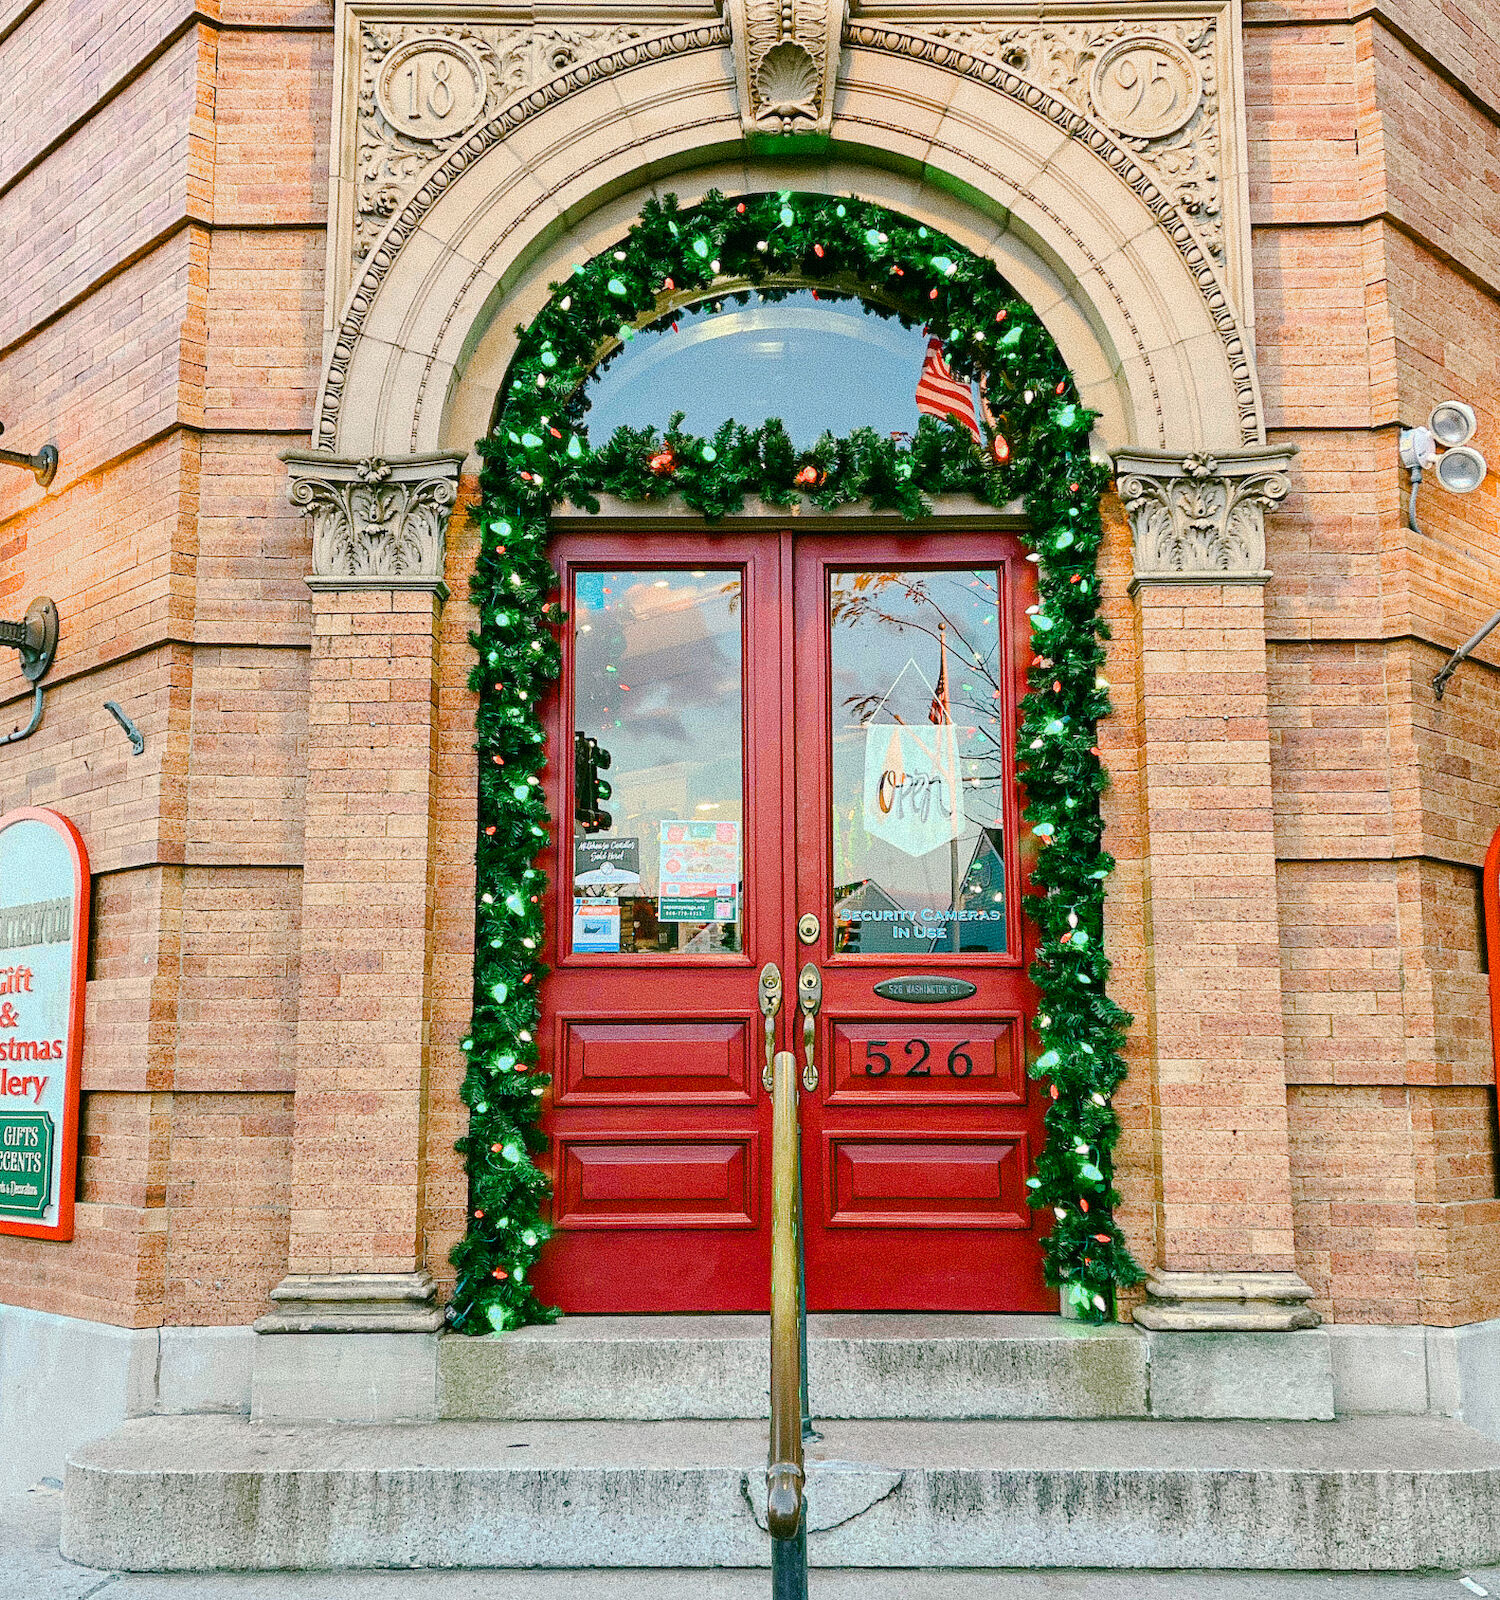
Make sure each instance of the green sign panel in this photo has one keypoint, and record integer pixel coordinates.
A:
(25, 1163)
(925, 990)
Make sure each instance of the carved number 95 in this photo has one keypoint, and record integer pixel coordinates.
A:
(878, 1062)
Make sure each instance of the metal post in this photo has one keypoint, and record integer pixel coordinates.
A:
(785, 1507)
(808, 1431)
(789, 1566)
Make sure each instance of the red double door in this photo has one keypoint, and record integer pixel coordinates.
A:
(789, 748)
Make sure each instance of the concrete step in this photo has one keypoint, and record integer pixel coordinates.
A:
(865, 1366)
(1363, 1494)
(891, 1366)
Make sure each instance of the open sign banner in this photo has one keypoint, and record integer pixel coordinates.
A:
(913, 799)
(44, 923)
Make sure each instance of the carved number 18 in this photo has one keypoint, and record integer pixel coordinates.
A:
(438, 100)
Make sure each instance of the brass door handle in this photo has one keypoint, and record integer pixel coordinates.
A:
(770, 1004)
(810, 999)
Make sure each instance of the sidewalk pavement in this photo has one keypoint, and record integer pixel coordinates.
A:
(32, 1569)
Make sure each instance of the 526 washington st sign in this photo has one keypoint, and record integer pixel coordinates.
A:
(44, 920)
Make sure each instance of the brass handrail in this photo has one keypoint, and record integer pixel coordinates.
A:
(784, 1472)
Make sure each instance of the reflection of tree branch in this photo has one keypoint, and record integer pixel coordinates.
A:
(863, 607)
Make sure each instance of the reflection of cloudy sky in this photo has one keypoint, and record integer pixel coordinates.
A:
(673, 640)
(816, 364)
(899, 658)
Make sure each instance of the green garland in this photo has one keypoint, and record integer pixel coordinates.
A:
(538, 455)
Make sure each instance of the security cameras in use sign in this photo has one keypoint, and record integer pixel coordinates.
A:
(44, 924)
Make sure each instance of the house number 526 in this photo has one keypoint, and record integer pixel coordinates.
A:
(918, 1054)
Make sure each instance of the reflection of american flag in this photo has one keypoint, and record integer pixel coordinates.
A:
(940, 394)
(939, 711)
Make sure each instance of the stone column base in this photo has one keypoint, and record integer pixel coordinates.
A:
(349, 1347)
(354, 1302)
(1236, 1302)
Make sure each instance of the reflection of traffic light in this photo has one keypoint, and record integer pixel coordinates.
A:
(589, 760)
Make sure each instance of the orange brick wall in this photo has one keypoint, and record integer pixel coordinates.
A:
(1376, 271)
(162, 194)
(163, 184)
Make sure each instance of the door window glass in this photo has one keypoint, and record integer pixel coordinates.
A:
(658, 824)
(919, 762)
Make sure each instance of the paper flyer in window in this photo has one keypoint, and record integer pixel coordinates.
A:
(699, 879)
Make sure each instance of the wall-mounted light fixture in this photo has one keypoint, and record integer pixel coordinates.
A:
(42, 465)
(35, 637)
(1458, 466)
(1460, 469)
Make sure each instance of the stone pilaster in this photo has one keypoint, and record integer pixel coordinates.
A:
(379, 529)
(1224, 1212)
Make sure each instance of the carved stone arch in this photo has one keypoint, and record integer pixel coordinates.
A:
(1008, 168)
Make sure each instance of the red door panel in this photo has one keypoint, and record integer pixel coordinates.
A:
(630, 1061)
(917, 1142)
(661, 1182)
(657, 1123)
(969, 1061)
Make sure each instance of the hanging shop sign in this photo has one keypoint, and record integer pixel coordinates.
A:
(44, 923)
(1492, 937)
(913, 799)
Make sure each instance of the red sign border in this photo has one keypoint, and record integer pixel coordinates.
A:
(66, 1153)
(1491, 887)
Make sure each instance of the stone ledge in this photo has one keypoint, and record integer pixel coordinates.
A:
(888, 1366)
(1284, 1377)
(1226, 1302)
(345, 1377)
(330, 585)
(354, 1302)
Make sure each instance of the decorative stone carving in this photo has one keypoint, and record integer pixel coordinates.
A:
(431, 88)
(1245, 1302)
(1154, 85)
(786, 55)
(423, 87)
(645, 51)
(376, 524)
(883, 38)
(1146, 88)
(1201, 518)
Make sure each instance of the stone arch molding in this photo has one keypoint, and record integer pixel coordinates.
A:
(1081, 227)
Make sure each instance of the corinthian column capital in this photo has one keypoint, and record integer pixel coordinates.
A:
(1201, 518)
(376, 523)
